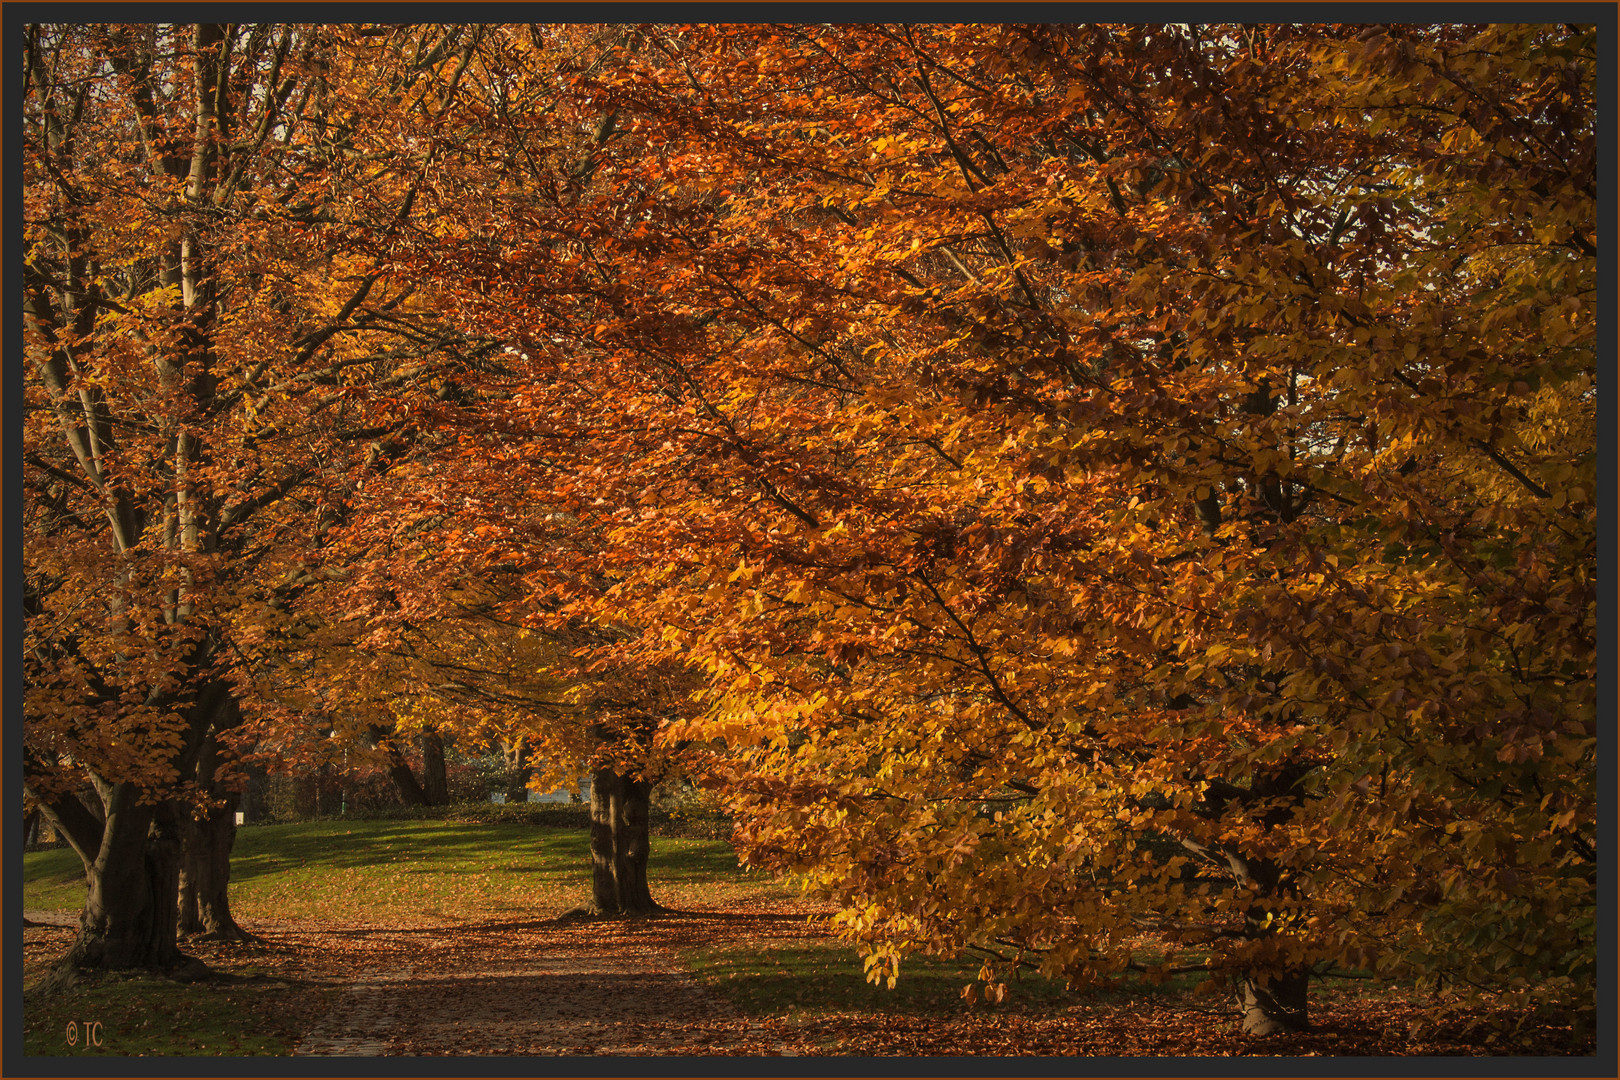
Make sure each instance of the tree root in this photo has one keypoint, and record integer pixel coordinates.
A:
(61, 978)
(590, 912)
(68, 973)
(232, 933)
(582, 913)
(190, 971)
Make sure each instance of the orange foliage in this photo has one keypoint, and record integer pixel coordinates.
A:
(1103, 476)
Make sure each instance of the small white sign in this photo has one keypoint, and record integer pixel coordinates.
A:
(241, 818)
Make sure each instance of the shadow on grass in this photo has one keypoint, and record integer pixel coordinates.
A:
(765, 978)
(125, 1016)
(423, 846)
(345, 844)
(445, 847)
(56, 878)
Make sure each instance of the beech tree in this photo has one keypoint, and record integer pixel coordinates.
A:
(1108, 478)
(201, 349)
(454, 519)
(450, 639)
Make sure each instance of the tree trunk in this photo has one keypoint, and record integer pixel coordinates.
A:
(205, 869)
(132, 855)
(400, 771)
(132, 870)
(519, 771)
(405, 780)
(1273, 1002)
(1275, 1005)
(619, 845)
(205, 909)
(435, 787)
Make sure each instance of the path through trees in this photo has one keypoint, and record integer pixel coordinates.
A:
(543, 987)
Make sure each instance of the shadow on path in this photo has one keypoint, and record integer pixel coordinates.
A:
(533, 987)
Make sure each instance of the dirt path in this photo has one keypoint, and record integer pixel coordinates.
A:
(362, 1023)
(516, 988)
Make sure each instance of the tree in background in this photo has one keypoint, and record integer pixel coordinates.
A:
(457, 517)
(453, 641)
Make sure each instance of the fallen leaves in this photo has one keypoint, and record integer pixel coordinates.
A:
(535, 987)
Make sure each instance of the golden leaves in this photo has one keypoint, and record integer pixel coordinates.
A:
(1053, 518)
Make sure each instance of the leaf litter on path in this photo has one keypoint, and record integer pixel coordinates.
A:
(530, 986)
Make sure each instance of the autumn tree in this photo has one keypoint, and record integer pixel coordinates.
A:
(449, 635)
(452, 519)
(204, 354)
(1110, 478)
(456, 668)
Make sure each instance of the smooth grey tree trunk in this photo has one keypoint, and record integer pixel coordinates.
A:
(1275, 1005)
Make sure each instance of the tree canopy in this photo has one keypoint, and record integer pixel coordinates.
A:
(1055, 481)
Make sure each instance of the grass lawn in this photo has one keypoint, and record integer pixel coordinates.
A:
(423, 872)
(131, 1016)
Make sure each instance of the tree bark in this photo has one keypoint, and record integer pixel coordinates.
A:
(519, 771)
(132, 855)
(435, 786)
(132, 870)
(1275, 1005)
(1273, 1002)
(405, 780)
(205, 870)
(400, 771)
(620, 845)
(205, 909)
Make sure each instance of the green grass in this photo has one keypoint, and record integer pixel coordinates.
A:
(821, 976)
(53, 879)
(149, 1015)
(414, 871)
